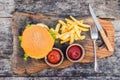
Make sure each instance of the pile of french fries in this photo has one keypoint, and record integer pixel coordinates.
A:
(71, 30)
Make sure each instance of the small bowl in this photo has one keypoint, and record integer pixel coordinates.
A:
(55, 64)
(77, 51)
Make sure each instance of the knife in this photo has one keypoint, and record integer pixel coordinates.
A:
(100, 29)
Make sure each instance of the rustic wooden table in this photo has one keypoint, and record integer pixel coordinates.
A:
(106, 9)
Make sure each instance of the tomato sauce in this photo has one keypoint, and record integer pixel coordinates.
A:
(74, 52)
(54, 56)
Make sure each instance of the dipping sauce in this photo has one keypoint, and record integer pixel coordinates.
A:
(54, 56)
(74, 52)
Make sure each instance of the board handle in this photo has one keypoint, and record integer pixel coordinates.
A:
(106, 40)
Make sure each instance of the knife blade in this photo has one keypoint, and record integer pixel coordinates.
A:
(100, 29)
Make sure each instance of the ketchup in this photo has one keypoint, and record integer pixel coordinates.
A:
(54, 56)
(74, 52)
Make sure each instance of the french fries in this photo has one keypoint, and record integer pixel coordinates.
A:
(80, 24)
(64, 36)
(71, 36)
(71, 30)
(57, 27)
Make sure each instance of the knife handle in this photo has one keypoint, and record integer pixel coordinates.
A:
(106, 40)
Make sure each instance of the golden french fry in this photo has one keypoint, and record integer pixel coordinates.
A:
(77, 31)
(84, 25)
(64, 41)
(63, 28)
(69, 21)
(67, 28)
(73, 23)
(71, 37)
(68, 25)
(71, 27)
(80, 24)
(61, 22)
(76, 36)
(73, 18)
(81, 37)
(83, 29)
(64, 36)
(57, 27)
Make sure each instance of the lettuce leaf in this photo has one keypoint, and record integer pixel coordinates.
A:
(20, 38)
(25, 57)
(53, 34)
(28, 25)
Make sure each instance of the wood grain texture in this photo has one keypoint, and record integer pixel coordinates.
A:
(106, 40)
(20, 20)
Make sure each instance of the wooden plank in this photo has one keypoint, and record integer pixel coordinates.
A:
(21, 67)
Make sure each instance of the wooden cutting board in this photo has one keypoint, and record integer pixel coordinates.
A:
(20, 20)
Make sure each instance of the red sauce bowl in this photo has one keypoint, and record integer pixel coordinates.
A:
(75, 53)
(54, 58)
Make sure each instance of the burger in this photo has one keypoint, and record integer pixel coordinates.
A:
(36, 41)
